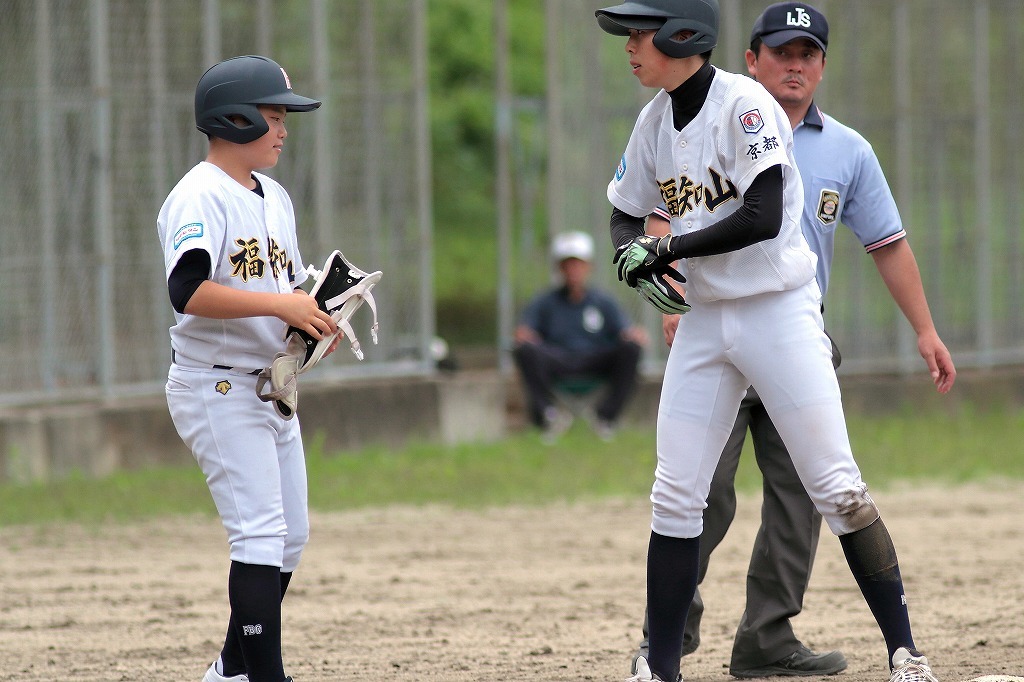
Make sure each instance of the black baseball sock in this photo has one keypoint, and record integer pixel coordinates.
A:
(231, 655)
(872, 559)
(672, 565)
(254, 592)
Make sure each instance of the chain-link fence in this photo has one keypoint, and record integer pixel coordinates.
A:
(932, 84)
(97, 98)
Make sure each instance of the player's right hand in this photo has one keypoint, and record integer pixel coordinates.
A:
(669, 325)
(300, 310)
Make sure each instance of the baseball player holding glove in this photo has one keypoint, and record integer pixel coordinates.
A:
(233, 271)
(717, 150)
(843, 182)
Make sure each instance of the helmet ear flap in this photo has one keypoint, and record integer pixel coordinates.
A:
(217, 122)
(704, 38)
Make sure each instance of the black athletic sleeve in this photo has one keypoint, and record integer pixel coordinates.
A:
(758, 219)
(193, 269)
(625, 227)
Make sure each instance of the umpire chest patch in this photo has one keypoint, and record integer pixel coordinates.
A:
(828, 206)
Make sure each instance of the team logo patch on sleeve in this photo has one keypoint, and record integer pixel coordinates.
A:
(621, 170)
(751, 121)
(187, 232)
(828, 206)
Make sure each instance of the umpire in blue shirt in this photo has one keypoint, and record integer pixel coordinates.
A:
(574, 331)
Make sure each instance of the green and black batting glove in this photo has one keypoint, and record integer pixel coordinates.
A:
(653, 286)
(641, 255)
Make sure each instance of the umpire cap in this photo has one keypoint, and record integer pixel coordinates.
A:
(786, 21)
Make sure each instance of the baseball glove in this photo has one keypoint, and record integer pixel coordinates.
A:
(655, 288)
(641, 255)
(340, 290)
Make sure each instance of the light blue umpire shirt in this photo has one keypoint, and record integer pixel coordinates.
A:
(843, 183)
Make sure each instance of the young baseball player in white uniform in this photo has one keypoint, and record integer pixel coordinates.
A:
(717, 150)
(843, 182)
(233, 268)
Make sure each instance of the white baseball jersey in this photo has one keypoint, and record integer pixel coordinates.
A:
(252, 246)
(701, 174)
(756, 318)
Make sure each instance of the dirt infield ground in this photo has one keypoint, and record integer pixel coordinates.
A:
(552, 593)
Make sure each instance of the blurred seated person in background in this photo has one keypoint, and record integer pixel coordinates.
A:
(576, 333)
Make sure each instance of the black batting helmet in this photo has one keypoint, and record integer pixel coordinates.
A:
(235, 87)
(668, 17)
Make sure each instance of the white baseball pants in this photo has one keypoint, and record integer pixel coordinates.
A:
(775, 342)
(253, 461)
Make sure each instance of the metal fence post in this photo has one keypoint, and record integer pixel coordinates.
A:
(48, 185)
(103, 218)
(982, 185)
(424, 205)
(503, 189)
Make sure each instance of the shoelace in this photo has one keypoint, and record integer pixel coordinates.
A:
(912, 670)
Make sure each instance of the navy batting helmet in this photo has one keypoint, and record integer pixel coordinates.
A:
(668, 17)
(234, 88)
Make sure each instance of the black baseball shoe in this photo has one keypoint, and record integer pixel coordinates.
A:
(801, 663)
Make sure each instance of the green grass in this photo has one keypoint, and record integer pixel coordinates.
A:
(968, 445)
(951, 448)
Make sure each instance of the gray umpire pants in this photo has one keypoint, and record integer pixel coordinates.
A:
(783, 554)
(784, 549)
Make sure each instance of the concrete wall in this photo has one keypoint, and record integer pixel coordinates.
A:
(97, 438)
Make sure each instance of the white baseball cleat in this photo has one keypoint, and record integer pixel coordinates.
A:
(906, 667)
(644, 674)
(214, 674)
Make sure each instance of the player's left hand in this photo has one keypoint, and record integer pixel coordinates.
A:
(642, 255)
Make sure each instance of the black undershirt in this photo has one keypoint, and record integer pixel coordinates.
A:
(758, 219)
(191, 270)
